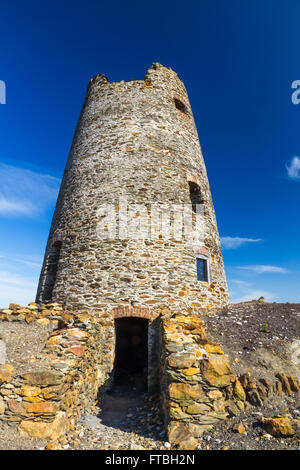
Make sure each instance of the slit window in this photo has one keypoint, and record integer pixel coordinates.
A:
(51, 269)
(181, 106)
(195, 195)
(202, 270)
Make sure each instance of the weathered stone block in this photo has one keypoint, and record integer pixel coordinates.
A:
(6, 372)
(2, 406)
(281, 426)
(178, 431)
(197, 408)
(238, 391)
(28, 391)
(213, 349)
(42, 430)
(181, 360)
(46, 407)
(182, 391)
(191, 371)
(42, 378)
(217, 371)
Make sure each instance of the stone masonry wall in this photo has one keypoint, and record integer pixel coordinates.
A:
(47, 403)
(197, 385)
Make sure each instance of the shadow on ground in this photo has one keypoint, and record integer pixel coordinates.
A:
(131, 410)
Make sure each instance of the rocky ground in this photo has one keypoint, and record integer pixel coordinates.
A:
(131, 422)
(126, 419)
(11, 440)
(246, 431)
(24, 343)
(261, 338)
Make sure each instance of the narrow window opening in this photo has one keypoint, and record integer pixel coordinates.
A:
(181, 106)
(202, 270)
(195, 195)
(51, 269)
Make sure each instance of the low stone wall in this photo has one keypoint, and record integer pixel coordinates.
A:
(42, 314)
(198, 386)
(47, 403)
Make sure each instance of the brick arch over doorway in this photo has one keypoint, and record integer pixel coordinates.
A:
(134, 311)
(153, 331)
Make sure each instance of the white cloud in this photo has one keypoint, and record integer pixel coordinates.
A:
(241, 284)
(15, 280)
(16, 289)
(255, 295)
(243, 291)
(14, 207)
(25, 192)
(31, 261)
(293, 169)
(261, 268)
(19, 275)
(231, 243)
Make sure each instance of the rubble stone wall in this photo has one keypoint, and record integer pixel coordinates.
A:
(48, 402)
(197, 385)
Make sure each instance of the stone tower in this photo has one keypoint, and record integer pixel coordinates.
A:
(135, 149)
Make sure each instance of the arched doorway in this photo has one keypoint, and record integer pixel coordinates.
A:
(131, 353)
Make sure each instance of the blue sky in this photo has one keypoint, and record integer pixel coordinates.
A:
(237, 58)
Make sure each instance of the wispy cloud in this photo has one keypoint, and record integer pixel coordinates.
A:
(255, 295)
(231, 243)
(19, 274)
(16, 288)
(241, 284)
(14, 207)
(262, 268)
(31, 261)
(25, 192)
(244, 291)
(293, 168)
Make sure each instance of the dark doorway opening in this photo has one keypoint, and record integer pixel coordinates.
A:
(131, 353)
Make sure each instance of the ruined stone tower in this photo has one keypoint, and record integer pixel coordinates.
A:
(135, 142)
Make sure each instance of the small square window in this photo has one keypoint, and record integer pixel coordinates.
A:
(202, 270)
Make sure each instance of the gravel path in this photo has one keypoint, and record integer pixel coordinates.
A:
(125, 421)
